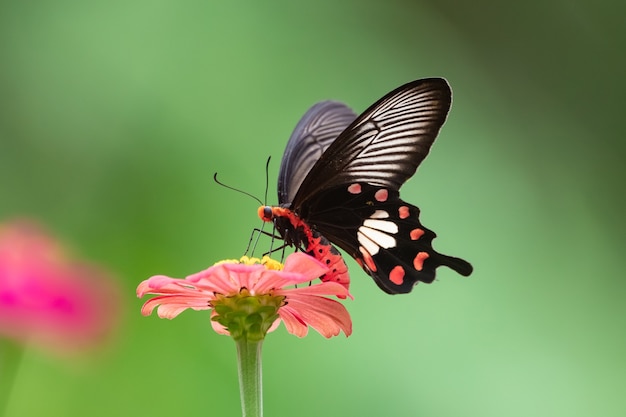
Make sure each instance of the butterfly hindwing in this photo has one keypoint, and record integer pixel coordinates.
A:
(383, 233)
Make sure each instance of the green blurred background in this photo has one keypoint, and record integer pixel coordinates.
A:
(115, 115)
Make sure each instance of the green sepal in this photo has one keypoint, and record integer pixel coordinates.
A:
(247, 316)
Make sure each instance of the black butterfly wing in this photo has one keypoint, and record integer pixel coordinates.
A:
(383, 233)
(384, 145)
(317, 129)
(351, 194)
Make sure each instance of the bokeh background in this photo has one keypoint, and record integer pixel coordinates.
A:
(114, 115)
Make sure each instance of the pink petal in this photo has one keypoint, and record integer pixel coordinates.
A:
(219, 329)
(214, 279)
(160, 284)
(272, 280)
(306, 265)
(170, 306)
(327, 316)
(322, 288)
(294, 324)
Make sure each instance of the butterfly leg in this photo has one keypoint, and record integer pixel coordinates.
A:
(258, 232)
(279, 248)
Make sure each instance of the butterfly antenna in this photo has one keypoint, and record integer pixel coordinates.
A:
(267, 178)
(236, 189)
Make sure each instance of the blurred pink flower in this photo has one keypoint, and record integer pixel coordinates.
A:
(48, 299)
(267, 281)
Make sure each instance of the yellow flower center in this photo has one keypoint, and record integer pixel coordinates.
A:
(266, 261)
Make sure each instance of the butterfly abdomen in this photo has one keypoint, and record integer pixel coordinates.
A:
(296, 232)
(320, 248)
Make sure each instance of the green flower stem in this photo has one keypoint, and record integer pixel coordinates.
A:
(10, 355)
(250, 384)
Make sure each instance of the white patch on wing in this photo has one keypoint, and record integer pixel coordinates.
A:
(385, 226)
(373, 240)
(375, 233)
(379, 214)
(367, 243)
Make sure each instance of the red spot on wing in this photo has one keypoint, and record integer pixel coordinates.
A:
(418, 261)
(354, 188)
(397, 275)
(367, 258)
(403, 211)
(416, 234)
(381, 195)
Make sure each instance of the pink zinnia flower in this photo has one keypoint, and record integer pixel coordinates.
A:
(249, 297)
(48, 299)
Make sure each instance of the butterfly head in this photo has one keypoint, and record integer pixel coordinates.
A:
(266, 213)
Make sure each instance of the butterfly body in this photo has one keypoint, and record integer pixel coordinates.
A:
(339, 184)
(296, 232)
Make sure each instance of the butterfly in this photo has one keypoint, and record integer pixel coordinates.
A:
(339, 183)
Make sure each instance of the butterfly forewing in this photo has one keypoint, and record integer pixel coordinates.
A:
(384, 145)
(317, 129)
